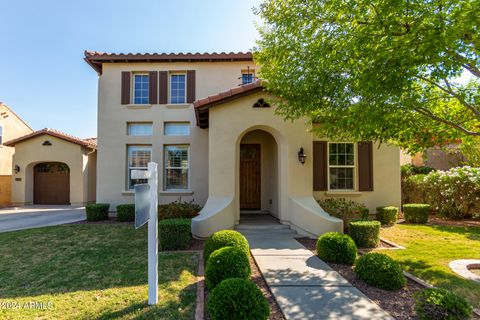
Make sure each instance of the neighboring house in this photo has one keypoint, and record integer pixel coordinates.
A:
(51, 167)
(438, 158)
(207, 122)
(11, 127)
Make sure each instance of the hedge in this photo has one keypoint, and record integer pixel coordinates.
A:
(174, 234)
(336, 247)
(381, 271)
(237, 299)
(178, 209)
(97, 211)
(366, 234)
(225, 238)
(416, 213)
(225, 263)
(387, 215)
(126, 212)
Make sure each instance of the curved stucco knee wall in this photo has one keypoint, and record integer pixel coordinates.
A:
(217, 214)
(309, 219)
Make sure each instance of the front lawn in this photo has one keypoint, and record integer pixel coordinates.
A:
(90, 271)
(428, 251)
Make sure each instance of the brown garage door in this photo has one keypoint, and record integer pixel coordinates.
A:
(51, 183)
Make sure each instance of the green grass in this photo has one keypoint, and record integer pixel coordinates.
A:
(428, 251)
(91, 272)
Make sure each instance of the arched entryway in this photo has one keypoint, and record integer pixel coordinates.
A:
(51, 183)
(258, 173)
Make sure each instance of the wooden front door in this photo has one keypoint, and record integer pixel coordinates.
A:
(250, 177)
(51, 183)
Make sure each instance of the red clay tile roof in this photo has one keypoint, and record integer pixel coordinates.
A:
(201, 106)
(95, 59)
(89, 143)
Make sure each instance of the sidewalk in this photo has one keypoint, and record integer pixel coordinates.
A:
(304, 286)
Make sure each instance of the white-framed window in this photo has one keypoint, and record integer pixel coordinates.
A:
(176, 128)
(178, 84)
(1, 135)
(176, 173)
(247, 77)
(138, 158)
(341, 166)
(139, 129)
(140, 88)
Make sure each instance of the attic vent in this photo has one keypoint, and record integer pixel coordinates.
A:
(46, 143)
(261, 103)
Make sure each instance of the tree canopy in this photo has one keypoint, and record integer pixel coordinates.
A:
(395, 71)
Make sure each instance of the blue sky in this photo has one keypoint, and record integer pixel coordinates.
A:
(42, 73)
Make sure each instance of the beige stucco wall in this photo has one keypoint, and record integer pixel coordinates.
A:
(13, 128)
(211, 78)
(386, 180)
(30, 152)
(296, 198)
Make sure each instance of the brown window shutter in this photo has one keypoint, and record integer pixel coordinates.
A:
(163, 87)
(190, 86)
(125, 87)
(153, 87)
(320, 181)
(365, 166)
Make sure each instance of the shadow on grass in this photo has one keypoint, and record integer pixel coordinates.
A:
(182, 309)
(61, 259)
(431, 274)
(472, 233)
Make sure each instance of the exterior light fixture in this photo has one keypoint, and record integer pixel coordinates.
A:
(302, 156)
(16, 168)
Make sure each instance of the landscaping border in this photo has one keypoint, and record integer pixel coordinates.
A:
(200, 309)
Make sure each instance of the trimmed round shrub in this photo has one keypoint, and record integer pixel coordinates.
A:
(435, 304)
(174, 234)
(97, 211)
(237, 299)
(126, 212)
(381, 271)
(225, 238)
(226, 263)
(336, 247)
(387, 215)
(366, 234)
(416, 212)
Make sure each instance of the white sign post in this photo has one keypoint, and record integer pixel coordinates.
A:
(152, 177)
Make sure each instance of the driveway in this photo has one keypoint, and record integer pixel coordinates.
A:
(18, 218)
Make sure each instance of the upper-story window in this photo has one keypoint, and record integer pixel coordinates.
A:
(341, 165)
(139, 128)
(1, 135)
(176, 128)
(177, 88)
(140, 88)
(247, 77)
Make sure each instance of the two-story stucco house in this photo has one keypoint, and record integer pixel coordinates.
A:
(11, 127)
(206, 120)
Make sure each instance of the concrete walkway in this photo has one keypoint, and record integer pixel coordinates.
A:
(36, 216)
(304, 286)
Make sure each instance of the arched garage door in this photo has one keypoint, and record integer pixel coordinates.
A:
(51, 183)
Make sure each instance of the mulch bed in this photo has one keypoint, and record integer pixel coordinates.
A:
(400, 304)
(257, 278)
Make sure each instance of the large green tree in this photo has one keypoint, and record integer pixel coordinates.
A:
(403, 71)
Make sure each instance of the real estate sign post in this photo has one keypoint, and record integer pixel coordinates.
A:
(146, 202)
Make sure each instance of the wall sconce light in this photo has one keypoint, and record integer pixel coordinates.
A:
(16, 169)
(302, 156)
